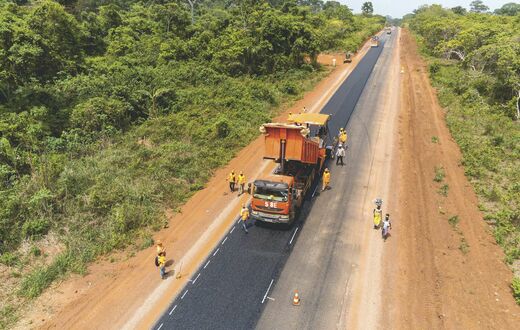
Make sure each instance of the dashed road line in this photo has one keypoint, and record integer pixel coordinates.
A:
(196, 278)
(290, 242)
(232, 230)
(216, 252)
(170, 313)
(159, 328)
(207, 263)
(269, 288)
(224, 241)
(184, 294)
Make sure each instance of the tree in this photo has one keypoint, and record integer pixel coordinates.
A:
(478, 6)
(459, 10)
(367, 9)
(509, 9)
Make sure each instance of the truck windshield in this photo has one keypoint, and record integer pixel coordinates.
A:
(275, 195)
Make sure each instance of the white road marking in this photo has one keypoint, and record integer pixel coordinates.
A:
(238, 221)
(159, 328)
(196, 278)
(290, 242)
(224, 241)
(216, 252)
(170, 313)
(207, 263)
(184, 294)
(232, 230)
(269, 288)
(314, 193)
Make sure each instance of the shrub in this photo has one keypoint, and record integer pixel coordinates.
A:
(515, 286)
(35, 228)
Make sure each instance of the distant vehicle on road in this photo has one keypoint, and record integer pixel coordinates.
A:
(300, 149)
(375, 41)
(388, 30)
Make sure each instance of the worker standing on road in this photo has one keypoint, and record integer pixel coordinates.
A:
(232, 178)
(244, 214)
(326, 179)
(342, 137)
(340, 153)
(241, 183)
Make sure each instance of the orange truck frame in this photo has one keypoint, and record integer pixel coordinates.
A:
(299, 147)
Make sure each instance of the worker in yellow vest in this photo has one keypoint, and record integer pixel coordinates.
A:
(232, 178)
(244, 215)
(241, 183)
(326, 179)
(342, 137)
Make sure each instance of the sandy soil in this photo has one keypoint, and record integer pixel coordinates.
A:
(130, 293)
(365, 301)
(437, 274)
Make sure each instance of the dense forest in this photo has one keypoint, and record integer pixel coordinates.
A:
(112, 111)
(475, 64)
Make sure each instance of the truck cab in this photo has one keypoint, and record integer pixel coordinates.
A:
(300, 149)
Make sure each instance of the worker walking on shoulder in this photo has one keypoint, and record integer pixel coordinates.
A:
(241, 183)
(161, 263)
(232, 178)
(326, 179)
(340, 153)
(244, 215)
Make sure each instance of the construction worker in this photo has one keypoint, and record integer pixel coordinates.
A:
(340, 153)
(342, 137)
(244, 214)
(241, 183)
(232, 178)
(326, 179)
(161, 260)
(387, 225)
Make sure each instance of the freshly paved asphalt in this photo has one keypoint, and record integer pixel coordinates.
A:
(328, 250)
(230, 290)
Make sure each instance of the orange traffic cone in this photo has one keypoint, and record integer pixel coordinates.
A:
(296, 299)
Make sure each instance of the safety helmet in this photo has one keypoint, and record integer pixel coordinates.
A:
(326, 170)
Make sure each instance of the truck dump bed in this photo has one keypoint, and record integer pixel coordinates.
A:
(298, 146)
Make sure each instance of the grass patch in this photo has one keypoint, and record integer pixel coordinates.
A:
(443, 190)
(8, 316)
(435, 139)
(464, 246)
(439, 174)
(515, 287)
(454, 220)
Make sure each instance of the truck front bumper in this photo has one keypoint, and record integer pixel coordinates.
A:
(268, 217)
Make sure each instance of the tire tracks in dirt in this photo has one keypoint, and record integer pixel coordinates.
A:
(432, 280)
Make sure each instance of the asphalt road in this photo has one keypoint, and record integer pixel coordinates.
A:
(233, 285)
(328, 250)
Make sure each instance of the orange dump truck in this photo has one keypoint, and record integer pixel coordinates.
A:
(300, 148)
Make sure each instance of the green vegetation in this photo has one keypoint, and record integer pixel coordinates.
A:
(113, 111)
(439, 174)
(435, 139)
(454, 220)
(515, 286)
(475, 65)
(443, 190)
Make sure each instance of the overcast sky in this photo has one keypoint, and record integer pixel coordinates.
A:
(398, 8)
